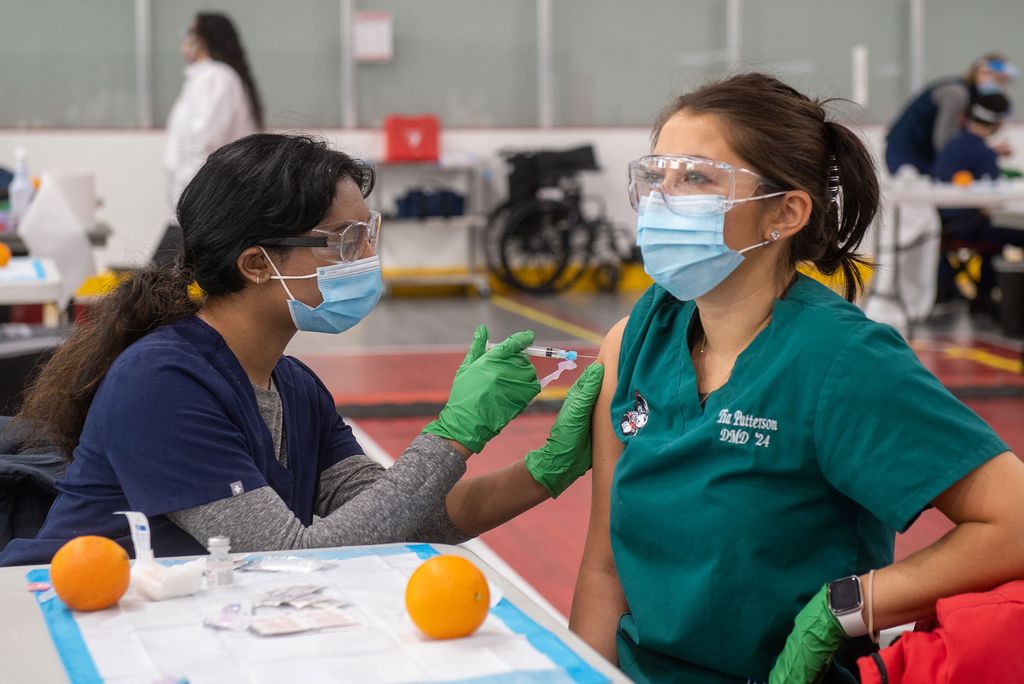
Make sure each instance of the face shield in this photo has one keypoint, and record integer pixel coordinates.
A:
(677, 180)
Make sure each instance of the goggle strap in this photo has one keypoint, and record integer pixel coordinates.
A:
(759, 197)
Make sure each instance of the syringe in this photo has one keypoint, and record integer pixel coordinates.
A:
(549, 352)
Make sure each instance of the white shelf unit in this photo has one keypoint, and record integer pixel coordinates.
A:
(434, 250)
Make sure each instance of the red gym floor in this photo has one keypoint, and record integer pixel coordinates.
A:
(396, 368)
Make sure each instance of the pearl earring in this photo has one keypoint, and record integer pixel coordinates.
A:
(775, 235)
(257, 279)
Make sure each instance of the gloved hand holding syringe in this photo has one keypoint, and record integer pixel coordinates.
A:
(567, 359)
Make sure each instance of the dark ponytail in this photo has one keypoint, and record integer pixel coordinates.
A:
(788, 138)
(224, 45)
(852, 205)
(58, 400)
(262, 186)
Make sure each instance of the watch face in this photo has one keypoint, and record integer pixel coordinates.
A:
(844, 595)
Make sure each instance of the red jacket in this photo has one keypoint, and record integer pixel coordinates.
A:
(979, 639)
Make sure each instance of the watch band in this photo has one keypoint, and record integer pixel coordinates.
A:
(853, 623)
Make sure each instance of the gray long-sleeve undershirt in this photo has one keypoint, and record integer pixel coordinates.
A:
(359, 501)
(951, 100)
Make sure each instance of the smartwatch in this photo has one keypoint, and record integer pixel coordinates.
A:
(845, 600)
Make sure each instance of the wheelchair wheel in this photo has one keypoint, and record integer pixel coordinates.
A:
(544, 246)
(606, 260)
(492, 242)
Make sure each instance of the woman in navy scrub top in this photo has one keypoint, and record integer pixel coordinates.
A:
(758, 441)
(187, 410)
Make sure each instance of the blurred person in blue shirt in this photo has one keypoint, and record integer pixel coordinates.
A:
(936, 114)
(970, 151)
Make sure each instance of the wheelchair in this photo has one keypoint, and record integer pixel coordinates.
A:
(542, 240)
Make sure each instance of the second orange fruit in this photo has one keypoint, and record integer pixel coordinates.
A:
(447, 597)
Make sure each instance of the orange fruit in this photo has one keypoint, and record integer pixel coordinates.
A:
(963, 177)
(5, 254)
(90, 573)
(447, 597)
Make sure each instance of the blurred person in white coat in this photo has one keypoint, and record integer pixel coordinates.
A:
(218, 103)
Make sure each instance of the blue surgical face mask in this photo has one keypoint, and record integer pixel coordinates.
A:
(350, 291)
(682, 239)
(988, 87)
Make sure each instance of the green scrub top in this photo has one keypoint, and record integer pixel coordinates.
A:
(828, 438)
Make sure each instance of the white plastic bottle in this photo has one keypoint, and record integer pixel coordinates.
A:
(219, 566)
(20, 190)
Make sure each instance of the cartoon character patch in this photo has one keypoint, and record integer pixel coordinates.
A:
(634, 421)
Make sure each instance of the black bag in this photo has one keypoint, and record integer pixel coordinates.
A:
(27, 483)
(430, 203)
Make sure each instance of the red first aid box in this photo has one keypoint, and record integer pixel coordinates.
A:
(411, 138)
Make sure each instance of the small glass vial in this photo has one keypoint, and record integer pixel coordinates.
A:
(219, 566)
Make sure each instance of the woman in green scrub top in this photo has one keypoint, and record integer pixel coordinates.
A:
(757, 441)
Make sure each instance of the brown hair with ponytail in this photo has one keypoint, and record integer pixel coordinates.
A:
(788, 138)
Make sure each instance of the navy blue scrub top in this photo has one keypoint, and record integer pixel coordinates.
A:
(966, 152)
(909, 141)
(175, 424)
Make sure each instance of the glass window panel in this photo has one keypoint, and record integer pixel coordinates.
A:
(470, 62)
(293, 50)
(619, 63)
(67, 63)
(809, 43)
(957, 33)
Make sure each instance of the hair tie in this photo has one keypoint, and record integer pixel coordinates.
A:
(833, 180)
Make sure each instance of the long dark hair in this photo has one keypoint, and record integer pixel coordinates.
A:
(224, 45)
(789, 138)
(262, 186)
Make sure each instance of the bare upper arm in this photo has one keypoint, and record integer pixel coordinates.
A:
(606, 450)
(989, 494)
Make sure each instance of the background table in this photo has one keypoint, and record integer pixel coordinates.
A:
(32, 280)
(27, 653)
(889, 247)
(29, 280)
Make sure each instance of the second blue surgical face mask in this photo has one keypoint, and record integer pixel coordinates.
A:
(350, 291)
(682, 239)
(990, 87)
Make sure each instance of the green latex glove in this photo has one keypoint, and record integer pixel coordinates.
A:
(809, 648)
(567, 453)
(490, 389)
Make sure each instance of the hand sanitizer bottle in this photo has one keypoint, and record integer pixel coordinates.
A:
(20, 190)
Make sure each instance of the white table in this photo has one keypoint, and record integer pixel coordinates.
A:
(991, 197)
(29, 280)
(32, 280)
(27, 653)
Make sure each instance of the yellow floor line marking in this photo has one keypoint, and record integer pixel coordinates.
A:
(545, 319)
(1003, 363)
(553, 393)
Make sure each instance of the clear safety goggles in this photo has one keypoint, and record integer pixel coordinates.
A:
(670, 177)
(344, 241)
